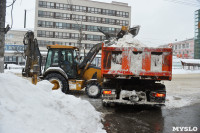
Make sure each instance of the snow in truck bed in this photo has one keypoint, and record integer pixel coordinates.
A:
(26, 108)
(127, 41)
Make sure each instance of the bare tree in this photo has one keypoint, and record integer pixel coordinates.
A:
(80, 28)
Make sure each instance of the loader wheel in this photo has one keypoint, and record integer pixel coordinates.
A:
(93, 90)
(59, 82)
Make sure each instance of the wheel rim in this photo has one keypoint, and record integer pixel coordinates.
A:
(93, 90)
(57, 84)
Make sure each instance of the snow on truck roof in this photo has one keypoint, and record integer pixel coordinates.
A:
(193, 61)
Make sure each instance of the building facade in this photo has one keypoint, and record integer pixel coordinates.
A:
(76, 22)
(182, 49)
(197, 35)
(14, 47)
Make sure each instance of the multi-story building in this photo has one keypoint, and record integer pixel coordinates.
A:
(182, 49)
(197, 35)
(76, 22)
(14, 47)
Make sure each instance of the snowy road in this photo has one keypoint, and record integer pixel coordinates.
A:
(182, 110)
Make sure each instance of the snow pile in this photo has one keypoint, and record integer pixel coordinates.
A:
(136, 63)
(116, 62)
(127, 41)
(180, 94)
(26, 108)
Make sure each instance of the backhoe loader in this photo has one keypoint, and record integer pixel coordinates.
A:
(62, 67)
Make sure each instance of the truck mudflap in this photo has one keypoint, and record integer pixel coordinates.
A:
(109, 96)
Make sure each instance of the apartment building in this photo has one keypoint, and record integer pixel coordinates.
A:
(14, 47)
(182, 49)
(76, 22)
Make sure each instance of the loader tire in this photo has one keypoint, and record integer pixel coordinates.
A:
(59, 82)
(93, 90)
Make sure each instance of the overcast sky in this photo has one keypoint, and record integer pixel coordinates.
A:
(161, 21)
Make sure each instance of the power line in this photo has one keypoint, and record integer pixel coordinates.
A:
(12, 3)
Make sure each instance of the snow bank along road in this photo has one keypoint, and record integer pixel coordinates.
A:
(182, 109)
(26, 108)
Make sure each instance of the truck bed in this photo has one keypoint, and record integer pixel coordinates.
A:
(144, 63)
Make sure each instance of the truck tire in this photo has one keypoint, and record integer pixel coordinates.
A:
(59, 82)
(93, 90)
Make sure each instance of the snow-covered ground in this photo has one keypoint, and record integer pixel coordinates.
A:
(183, 71)
(26, 108)
(183, 90)
(13, 68)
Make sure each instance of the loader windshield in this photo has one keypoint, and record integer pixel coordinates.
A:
(64, 59)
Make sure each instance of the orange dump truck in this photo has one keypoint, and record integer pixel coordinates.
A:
(131, 75)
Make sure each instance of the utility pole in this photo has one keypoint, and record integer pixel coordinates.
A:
(2, 33)
(24, 18)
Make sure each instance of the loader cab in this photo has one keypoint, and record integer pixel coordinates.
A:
(62, 57)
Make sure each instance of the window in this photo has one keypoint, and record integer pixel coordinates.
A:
(48, 4)
(117, 22)
(104, 11)
(90, 9)
(59, 35)
(107, 21)
(66, 26)
(175, 46)
(126, 14)
(96, 38)
(66, 35)
(67, 7)
(74, 35)
(90, 37)
(48, 24)
(43, 4)
(52, 5)
(97, 10)
(57, 6)
(59, 25)
(58, 15)
(99, 20)
(75, 26)
(83, 9)
(112, 21)
(41, 33)
(40, 13)
(111, 12)
(14, 58)
(179, 46)
(55, 57)
(183, 46)
(126, 23)
(187, 45)
(66, 16)
(62, 6)
(41, 23)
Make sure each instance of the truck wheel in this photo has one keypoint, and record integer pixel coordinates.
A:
(59, 82)
(93, 90)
